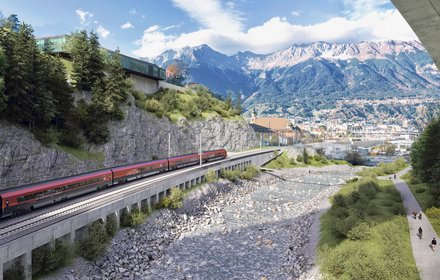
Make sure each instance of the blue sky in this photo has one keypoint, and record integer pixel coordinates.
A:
(145, 28)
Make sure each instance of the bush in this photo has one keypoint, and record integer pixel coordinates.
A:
(94, 245)
(420, 190)
(136, 218)
(211, 176)
(48, 137)
(341, 227)
(249, 173)
(231, 175)
(360, 232)
(15, 272)
(433, 212)
(368, 187)
(292, 161)
(299, 158)
(111, 226)
(45, 259)
(175, 199)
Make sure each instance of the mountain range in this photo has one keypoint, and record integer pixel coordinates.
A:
(308, 77)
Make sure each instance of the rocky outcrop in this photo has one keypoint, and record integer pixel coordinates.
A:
(139, 137)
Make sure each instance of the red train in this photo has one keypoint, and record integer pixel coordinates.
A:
(15, 201)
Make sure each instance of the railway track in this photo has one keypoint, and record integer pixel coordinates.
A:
(46, 216)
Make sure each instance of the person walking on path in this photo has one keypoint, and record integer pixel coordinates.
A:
(427, 261)
(433, 243)
(420, 232)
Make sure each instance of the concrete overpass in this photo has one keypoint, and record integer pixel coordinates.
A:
(68, 221)
(424, 18)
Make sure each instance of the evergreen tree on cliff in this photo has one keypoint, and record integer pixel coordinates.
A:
(78, 47)
(19, 76)
(117, 83)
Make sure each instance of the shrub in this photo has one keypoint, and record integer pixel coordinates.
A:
(211, 176)
(368, 187)
(94, 245)
(249, 173)
(48, 137)
(136, 218)
(111, 226)
(305, 156)
(360, 232)
(420, 190)
(292, 161)
(338, 201)
(341, 227)
(433, 212)
(231, 175)
(175, 199)
(15, 272)
(317, 157)
(45, 259)
(414, 180)
(299, 158)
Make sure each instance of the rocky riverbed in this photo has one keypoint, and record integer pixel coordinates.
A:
(256, 229)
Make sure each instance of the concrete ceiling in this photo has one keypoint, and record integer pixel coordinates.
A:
(424, 18)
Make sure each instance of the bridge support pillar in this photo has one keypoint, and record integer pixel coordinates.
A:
(26, 262)
(145, 205)
(1, 271)
(115, 217)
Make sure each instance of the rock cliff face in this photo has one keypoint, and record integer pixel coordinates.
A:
(139, 137)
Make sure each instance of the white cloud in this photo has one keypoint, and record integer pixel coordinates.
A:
(226, 34)
(210, 14)
(132, 11)
(127, 25)
(83, 15)
(295, 13)
(152, 28)
(356, 9)
(102, 32)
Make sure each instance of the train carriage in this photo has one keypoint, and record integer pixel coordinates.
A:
(135, 171)
(183, 161)
(24, 198)
(214, 155)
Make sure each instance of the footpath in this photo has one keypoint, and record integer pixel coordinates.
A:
(427, 260)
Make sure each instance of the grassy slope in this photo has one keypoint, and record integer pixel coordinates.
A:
(386, 255)
(284, 162)
(423, 197)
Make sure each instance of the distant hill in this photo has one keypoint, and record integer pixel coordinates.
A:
(308, 77)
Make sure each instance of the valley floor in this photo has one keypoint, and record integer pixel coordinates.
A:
(250, 230)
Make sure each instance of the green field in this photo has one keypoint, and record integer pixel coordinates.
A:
(365, 234)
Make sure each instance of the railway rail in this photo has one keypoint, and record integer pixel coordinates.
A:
(13, 228)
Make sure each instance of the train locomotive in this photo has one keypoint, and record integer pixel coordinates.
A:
(22, 199)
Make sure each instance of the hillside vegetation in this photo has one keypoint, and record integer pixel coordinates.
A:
(189, 104)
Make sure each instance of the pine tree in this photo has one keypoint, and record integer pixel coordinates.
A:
(18, 78)
(96, 59)
(117, 83)
(44, 108)
(78, 47)
(238, 108)
(56, 82)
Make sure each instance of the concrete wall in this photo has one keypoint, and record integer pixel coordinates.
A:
(20, 246)
(143, 84)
